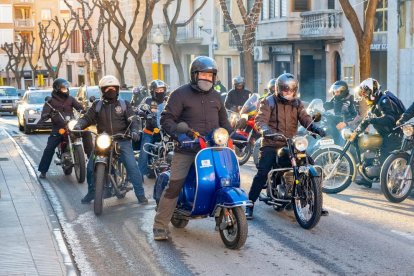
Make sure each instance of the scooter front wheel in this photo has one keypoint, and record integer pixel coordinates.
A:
(234, 234)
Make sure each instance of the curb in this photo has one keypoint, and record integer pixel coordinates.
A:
(60, 236)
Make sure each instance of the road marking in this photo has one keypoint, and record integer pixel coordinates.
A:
(403, 234)
(337, 211)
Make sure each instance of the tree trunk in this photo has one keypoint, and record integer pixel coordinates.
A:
(248, 65)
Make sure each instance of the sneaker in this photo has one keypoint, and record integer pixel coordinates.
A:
(249, 212)
(324, 212)
(88, 198)
(42, 175)
(160, 234)
(142, 199)
(359, 180)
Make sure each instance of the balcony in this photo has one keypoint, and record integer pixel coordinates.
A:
(185, 35)
(279, 30)
(23, 2)
(323, 24)
(23, 23)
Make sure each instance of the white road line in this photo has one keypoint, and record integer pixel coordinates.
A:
(404, 234)
(337, 211)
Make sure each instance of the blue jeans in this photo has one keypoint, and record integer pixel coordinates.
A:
(127, 158)
(143, 156)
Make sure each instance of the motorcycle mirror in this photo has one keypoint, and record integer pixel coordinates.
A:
(317, 117)
(48, 99)
(92, 99)
(182, 127)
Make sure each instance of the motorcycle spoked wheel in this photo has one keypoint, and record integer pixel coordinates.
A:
(121, 177)
(79, 164)
(343, 174)
(393, 185)
(256, 151)
(233, 236)
(100, 179)
(178, 222)
(307, 205)
(243, 154)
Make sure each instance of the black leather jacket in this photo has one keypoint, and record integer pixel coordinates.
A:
(344, 107)
(236, 98)
(151, 117)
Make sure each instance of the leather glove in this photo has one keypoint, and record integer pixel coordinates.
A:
(135, 136)
(319, 131)
(184, 138)
(53, 113)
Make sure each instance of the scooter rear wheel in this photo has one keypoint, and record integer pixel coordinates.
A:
(178, 222)
(233, 236)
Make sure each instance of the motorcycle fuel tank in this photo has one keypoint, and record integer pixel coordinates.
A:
(370, 141)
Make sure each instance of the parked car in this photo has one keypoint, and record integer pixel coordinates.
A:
(30, 109)
(9, 96)
(84, 94)
(126, 95)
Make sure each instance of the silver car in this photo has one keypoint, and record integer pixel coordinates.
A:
(8, 99)
(30, 109)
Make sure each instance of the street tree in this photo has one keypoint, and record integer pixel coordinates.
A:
(16, 59)
(173, 26)
(29, 53)
(91, 33)
(54, 42)
(116, 15)
(363, 35)
(245, 42)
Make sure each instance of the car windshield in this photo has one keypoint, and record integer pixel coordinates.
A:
(125, 95)
(93, 91)
(37, 97)
(8, 91)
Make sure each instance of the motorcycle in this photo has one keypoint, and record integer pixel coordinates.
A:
(397, 170)
(340, 164)
(70, 153)
(246, 134)
(297, 183)
(212, 188)
(109, 172)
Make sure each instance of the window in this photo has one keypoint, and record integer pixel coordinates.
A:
(265, 10)
(166, 70)
(331, 4)
(69, 72)
(225, 25)
(46, 14)
(75, 42)
(381, 16)
(250, 4)
(280, 8)
(349, 75)
(6, 14)
(271, 9)
(229, 73)
(6, 36)
(301, 5)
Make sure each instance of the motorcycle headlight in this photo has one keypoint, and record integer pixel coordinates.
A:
(71, 124)
(408, 130)
(346, 133)
(103, 141)
(31, 111)
(301, 143)
(220, 136)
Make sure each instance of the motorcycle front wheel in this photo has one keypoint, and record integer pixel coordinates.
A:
(394, 184)
(80, 168)
(343, 170)
(256, 151)
(307, 205)
(100, 169)
(235, 234)
(243, 154)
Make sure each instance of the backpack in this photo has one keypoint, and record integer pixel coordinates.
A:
(395, 100)
(98, 106)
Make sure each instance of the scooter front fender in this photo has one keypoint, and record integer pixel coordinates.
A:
(231, 197)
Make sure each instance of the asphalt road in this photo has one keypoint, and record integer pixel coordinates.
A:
(364, 233)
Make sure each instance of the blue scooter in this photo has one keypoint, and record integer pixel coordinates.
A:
(212, 188)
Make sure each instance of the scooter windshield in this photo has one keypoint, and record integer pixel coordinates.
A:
(251, 105)
(316, 105)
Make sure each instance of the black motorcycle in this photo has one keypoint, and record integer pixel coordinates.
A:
(397, 171)
(296, 184)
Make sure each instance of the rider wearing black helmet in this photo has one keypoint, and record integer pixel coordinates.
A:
(237, 96)
(200, 106)
(150, 110)
(64, 103)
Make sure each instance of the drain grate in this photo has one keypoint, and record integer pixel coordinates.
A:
(4, 159)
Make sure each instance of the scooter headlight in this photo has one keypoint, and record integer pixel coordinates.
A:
(220, 137)
(103, 141)
(301, 143)
(71, 124)
(408, 130)
(346, 133)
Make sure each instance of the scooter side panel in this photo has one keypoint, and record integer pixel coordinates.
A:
(231, 197)
(226, 166)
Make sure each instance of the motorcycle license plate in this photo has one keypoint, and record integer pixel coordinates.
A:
(326, 142)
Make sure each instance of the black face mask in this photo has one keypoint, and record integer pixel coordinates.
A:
(159, 97)
(110, 95)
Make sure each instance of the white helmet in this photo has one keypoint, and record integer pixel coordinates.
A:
(109, 80)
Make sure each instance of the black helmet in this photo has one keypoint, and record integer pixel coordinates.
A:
(239, 80)
(60, 83)
(341, 87)
(286, 82)
(369, 89)
(202, 64)
(159, 97)
(271, 86)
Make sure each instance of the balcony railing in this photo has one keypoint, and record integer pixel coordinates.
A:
(23, 1)
(320, 24)
(24, 23)
(184, 34)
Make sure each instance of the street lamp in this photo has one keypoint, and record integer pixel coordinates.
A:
(158, 39)
(200, 24)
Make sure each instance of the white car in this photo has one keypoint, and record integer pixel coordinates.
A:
(8, 99)
(30, 109)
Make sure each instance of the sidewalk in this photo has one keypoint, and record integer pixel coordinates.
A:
(31, 242)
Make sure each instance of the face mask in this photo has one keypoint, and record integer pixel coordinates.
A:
(110, 95)
(288, 97)
(159, 97)
(204, 85)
